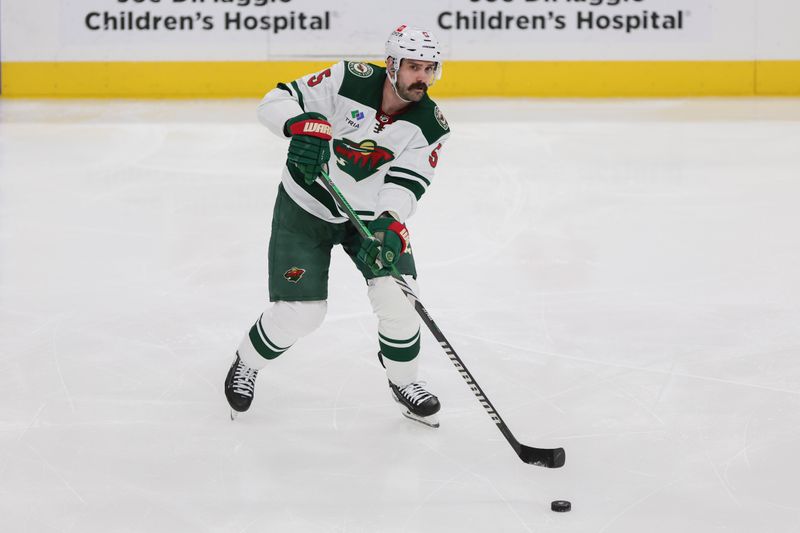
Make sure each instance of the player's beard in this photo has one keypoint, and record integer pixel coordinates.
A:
(409, 93)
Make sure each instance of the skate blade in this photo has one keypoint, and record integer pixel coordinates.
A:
(234, 414)
(430, 421)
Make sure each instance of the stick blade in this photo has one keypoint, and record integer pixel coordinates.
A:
(546, 457)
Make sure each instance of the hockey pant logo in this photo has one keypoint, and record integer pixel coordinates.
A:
(294, 274)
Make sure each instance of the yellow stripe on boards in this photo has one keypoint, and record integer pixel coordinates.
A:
(598, 78)
(219, 79)
(778, 78)
(461, 78)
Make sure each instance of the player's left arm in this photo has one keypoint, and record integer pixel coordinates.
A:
(408, 179)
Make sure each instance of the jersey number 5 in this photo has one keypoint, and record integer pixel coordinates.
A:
(433, 159)
(316, 80)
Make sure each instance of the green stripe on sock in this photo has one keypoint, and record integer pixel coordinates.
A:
(270, 344)
(261, 347)
(389, 340)
(400, 355)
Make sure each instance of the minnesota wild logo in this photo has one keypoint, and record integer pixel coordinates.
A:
(294, 274)
(360, 160)
(440, 118)
(362, 70)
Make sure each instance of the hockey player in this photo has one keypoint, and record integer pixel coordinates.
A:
(380, 136)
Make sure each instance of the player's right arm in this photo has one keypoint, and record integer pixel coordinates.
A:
(298, 110)
(311, 93)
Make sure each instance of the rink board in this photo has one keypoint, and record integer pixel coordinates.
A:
(184, 79)
(549, 48)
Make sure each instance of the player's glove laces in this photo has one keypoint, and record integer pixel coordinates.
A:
(389, 242)
(309, 147)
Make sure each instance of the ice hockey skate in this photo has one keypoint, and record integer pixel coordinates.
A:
(240, 384)
(416, 403)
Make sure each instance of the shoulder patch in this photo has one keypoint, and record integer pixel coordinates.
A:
(440, 118)
(362, 70)
(427, 116)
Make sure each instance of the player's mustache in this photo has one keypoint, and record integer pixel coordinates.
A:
(419, 85)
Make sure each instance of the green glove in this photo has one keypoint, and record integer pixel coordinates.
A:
(309, 147)
(390, 240)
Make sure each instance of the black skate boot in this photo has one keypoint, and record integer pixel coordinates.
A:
(417, 403)
(240, 384)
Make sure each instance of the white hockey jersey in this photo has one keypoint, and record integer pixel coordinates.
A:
(379, 162)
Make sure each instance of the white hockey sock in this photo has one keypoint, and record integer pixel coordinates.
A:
(278, 329)
(401, 373)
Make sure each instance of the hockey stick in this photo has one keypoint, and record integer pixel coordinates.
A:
(547, 457)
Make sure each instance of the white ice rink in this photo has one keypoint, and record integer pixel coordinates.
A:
(621, 277)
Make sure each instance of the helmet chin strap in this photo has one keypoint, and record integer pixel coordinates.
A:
(393, 79)
(394, 86)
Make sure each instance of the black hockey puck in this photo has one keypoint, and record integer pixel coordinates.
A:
(560, 506)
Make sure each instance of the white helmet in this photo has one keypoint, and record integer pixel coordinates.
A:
(412, 43)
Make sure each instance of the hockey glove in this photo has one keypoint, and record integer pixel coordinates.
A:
(389, 242)
(309, 146)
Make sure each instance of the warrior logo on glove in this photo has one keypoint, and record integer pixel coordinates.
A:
(310, 127)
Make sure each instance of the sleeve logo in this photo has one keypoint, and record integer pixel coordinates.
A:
(362, 70)
(440, 118)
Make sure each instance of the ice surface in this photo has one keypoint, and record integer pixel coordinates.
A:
(621, 277)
